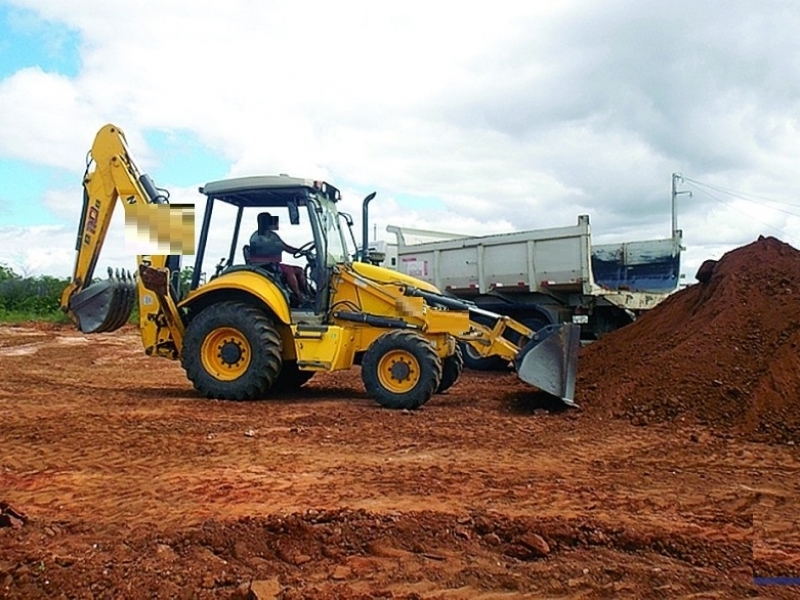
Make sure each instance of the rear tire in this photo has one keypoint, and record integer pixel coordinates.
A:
(452, 366)
(231, 351)
(401, 370)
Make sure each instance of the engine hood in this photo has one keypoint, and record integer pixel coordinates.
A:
(384, 275)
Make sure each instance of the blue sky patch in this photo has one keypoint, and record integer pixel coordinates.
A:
(183, 160)
(24, 186)
(28, 41)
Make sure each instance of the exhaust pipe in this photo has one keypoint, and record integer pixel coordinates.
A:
(365, 226)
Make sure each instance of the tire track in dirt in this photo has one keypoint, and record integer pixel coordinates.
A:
(181, 494)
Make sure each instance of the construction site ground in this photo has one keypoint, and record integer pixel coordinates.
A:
(119, 481)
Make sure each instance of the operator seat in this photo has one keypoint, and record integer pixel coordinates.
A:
(266, 248)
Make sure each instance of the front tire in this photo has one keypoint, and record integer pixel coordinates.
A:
(231, 351)
(452, 366)
(401, 370)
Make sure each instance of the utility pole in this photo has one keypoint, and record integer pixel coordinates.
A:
(677, 234)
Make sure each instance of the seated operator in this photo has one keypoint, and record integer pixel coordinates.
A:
(266, 247)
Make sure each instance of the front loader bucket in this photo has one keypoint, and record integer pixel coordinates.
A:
(106, 305)
(550, 360)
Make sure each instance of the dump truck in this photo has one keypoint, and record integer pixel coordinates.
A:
(540, 277)
(262, 324)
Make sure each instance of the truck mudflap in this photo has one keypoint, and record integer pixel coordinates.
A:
(550, 361)
(106, 305)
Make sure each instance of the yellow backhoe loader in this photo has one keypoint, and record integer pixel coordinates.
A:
(259, 325)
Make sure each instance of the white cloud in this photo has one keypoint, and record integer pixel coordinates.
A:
(512, 115)
(43, 119)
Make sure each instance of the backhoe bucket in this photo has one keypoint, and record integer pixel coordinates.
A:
(106, 305)
(550, 360)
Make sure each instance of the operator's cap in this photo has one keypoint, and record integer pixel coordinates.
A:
(267, 222)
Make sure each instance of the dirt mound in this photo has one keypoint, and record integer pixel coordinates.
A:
(332, 553)
(723, 352)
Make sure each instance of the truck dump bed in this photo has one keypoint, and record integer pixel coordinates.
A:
(529, 259)
(631, 275)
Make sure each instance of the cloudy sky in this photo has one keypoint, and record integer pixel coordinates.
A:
(473, 117)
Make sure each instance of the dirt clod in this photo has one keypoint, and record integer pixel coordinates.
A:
(536, 544)
(265, 589)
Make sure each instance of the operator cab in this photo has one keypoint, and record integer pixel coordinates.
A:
(292, 235)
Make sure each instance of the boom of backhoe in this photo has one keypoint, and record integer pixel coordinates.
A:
(102, 306)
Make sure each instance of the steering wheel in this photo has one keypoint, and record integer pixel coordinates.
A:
(306, 250)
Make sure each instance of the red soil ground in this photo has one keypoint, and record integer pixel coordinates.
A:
(724, 353)
(677, 479)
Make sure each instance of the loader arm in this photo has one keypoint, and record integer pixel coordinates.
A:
(107, 305)
(546, 359)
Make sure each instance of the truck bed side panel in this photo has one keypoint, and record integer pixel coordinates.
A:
(524, 260)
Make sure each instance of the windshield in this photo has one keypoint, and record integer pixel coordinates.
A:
(336, 249)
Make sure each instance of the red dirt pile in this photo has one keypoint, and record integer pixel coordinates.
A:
(724, 352)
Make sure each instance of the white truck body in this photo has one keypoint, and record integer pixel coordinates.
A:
(553, 274)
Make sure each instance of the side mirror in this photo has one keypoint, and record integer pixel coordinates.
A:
(294, 213)
(376, 257)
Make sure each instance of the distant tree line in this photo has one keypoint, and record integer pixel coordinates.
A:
(39, 298)
(36, 297)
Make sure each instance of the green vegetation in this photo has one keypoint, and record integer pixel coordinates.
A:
(30, 298)
(186, 279)
(24, 299)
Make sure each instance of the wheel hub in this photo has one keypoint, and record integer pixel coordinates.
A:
(226, 353)
(400, 370)
(230, 352)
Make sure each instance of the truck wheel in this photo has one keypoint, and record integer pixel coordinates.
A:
(452, 366)
(535, 323)
(401, 370)
(290, 378)
(476, 362)
(231, 351)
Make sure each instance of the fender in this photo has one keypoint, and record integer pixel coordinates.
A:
(247, 281)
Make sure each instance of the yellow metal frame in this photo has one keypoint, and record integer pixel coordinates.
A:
(330, 350)
(250, 283)
(115, 176)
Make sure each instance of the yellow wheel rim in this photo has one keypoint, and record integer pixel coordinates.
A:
(226, 354)
(398, 371)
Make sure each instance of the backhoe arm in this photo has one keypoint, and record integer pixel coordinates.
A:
(105, 306)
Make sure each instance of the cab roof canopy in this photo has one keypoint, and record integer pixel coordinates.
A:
(268, 190)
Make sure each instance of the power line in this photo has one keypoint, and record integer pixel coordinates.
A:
(697, 185)
(744, 196)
